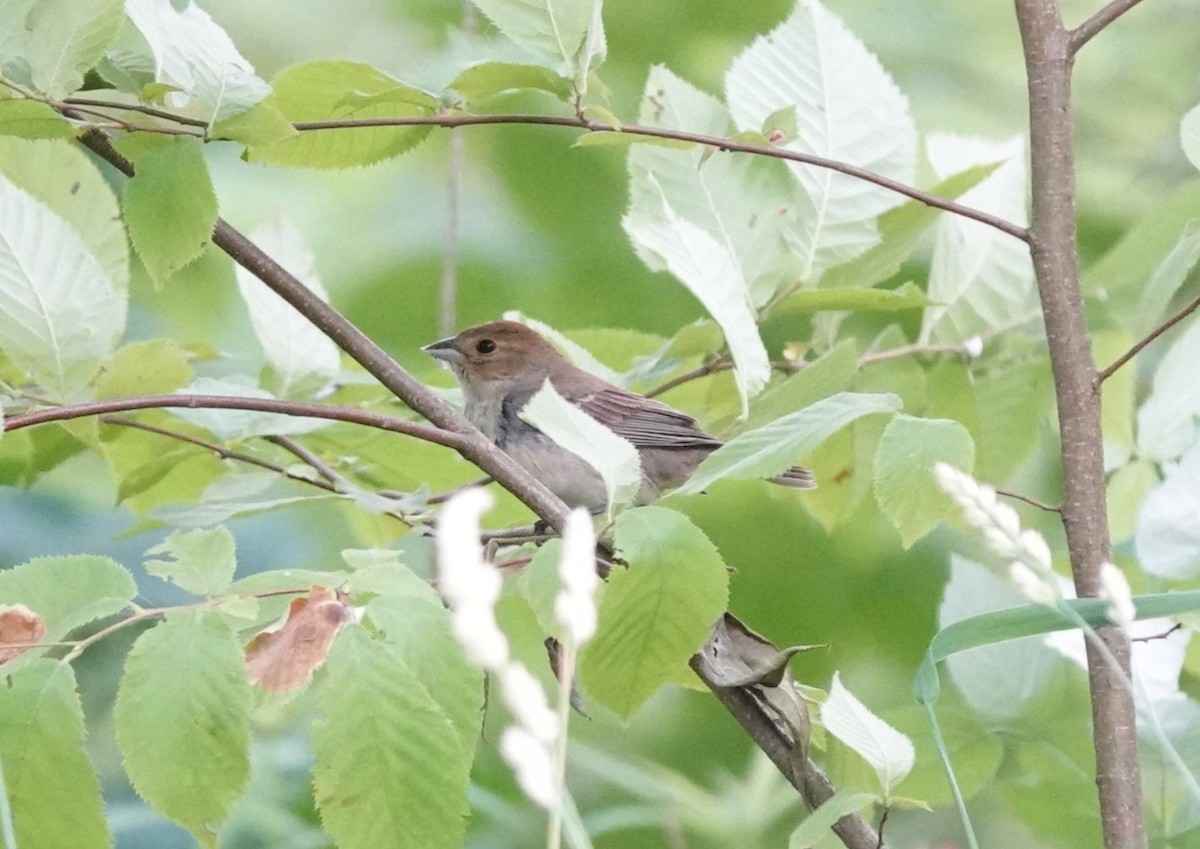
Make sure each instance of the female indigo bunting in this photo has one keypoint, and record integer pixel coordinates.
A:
(502, 364)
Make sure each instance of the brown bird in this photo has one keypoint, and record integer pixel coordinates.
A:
(502, 364)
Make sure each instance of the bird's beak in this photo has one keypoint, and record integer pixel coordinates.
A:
(444, 349)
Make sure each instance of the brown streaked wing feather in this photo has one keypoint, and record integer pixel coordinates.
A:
(643, 421)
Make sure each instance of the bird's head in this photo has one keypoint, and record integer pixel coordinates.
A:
(500, 356)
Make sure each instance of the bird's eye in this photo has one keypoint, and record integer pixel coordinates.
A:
(485, 346)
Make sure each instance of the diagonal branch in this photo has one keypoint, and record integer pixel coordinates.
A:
(1094, 25)
(468, 441)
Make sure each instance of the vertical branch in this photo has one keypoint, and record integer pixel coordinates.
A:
(449, 287)
(454, 176)
(1052, 238)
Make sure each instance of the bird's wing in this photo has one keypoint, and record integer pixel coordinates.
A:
(643, 421)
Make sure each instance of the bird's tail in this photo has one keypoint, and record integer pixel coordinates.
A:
(797, 477)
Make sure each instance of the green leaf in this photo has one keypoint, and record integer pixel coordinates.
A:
(904, 460)
(153, 367)
(1168, 525)
(339, 91)
(1119, 396)
(715, 224)
(782, 120)
(1131, 261)
(950, 394)
(540, 583)
(1028, 620)
(982, 279)
(260, 125)
(558, 32)
(1127, 491)
(192, 54)
(889, 752)
(1155, 295)
(60, 175)
(1189, 135)
(52, 788)
(816, 825)
(201, 561)
(391, 770)
(419, 628)
(182, 720)
(771, 449)
(613, 457)
(1006, 397)
(303, 359)
(479, 82)
(657, 612)
(170, 207)
(835, 214)
(29, 119)
(66, 592)
(819, 379)
(68, 37)
(1165, 420)
(899, 231)
(907, 297)
(60, 311)
(710, 270)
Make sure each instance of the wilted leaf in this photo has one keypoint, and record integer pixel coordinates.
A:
(736, 656)
(282, 659)
(19, 628)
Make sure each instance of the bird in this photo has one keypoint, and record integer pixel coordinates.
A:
(501, 365)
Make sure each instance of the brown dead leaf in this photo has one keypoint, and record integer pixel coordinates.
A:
(737, 657)
(283, 658)
(19, 628)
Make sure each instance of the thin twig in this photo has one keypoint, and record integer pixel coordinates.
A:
(219, 450)
(449, 283)
(695, 374)
(1106, 373)
(326, 471)
(234, 402)
(909, 350)
(137, 107)
(716, 142)
(442, 497)
(1152, 637)
(1092, 27)
(1032, 502)
(142, 614)
(337, 487)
